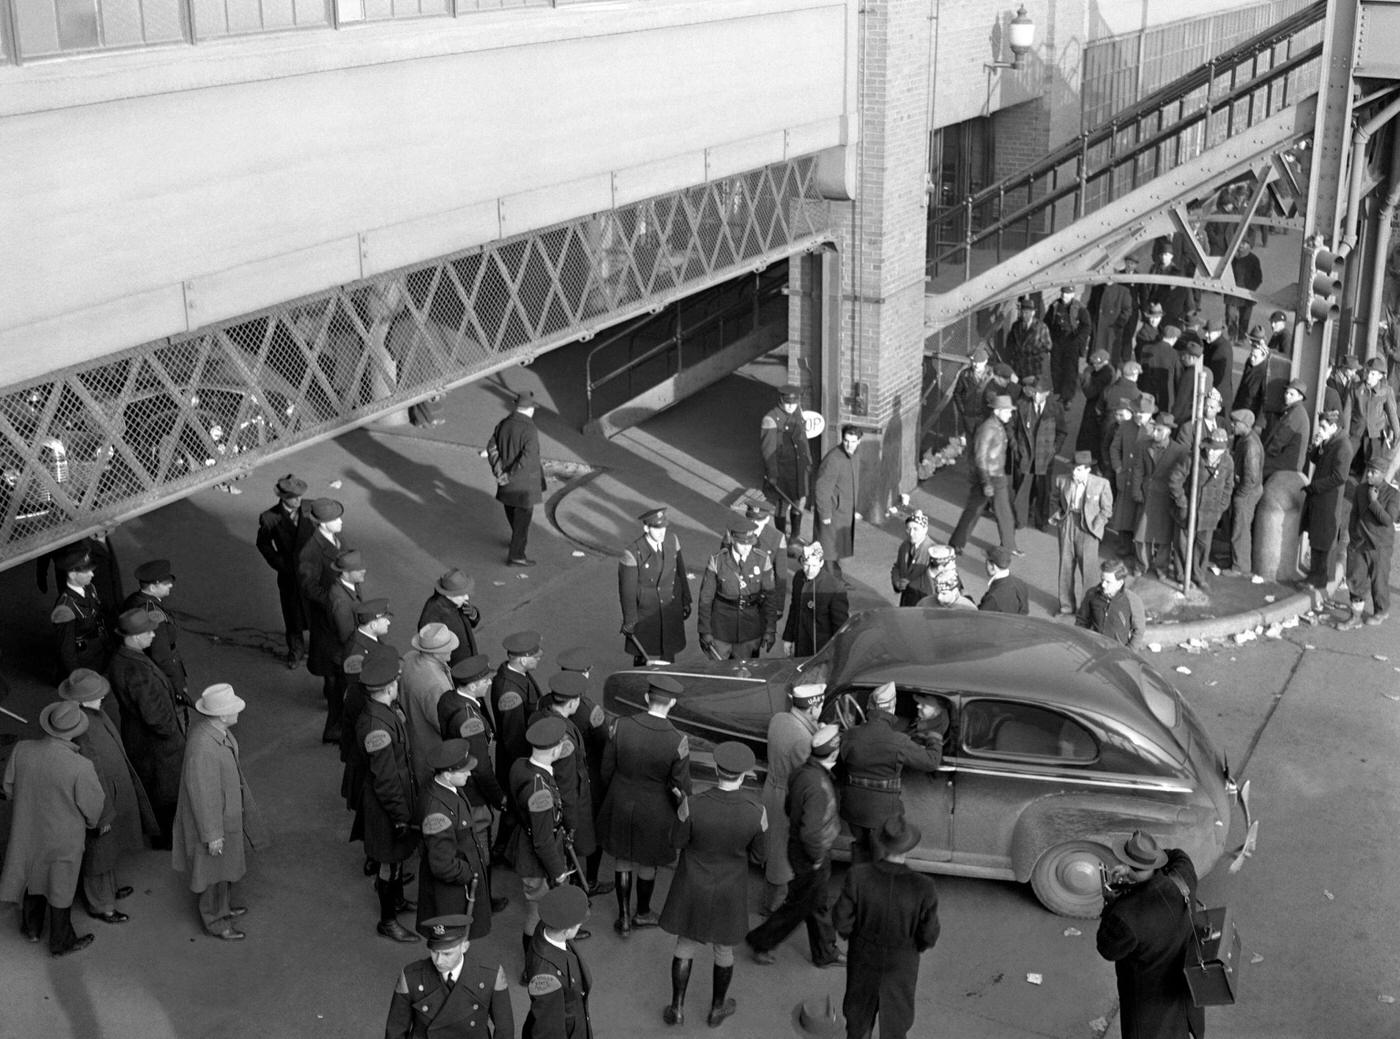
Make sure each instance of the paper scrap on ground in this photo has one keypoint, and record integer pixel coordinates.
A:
(334, 485)
(578, 555)
(1155, 647)
(1034, 979)
(1386, 999)
(1271, 598)
(1072, 932)
(1330, 897)
(1380, 657)
(1182, 669)
(1256, 958)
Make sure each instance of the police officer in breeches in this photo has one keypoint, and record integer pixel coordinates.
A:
(736, 615)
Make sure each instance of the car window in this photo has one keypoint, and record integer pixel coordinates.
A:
(848, 706)
(999, 728)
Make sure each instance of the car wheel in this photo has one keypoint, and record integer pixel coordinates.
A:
(1066, 879)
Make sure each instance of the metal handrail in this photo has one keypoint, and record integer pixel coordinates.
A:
(1079, 150)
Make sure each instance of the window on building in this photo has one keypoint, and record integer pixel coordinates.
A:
(47, 28)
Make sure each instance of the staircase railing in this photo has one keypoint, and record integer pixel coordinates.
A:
(1230, 93)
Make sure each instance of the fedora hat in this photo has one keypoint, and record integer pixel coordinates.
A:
(1140, 851)
(349, 561)
(63, 720)
(454, 582)
(897, 836)
(434, 638)
(83, 686)
(219, 699)
(291, 486)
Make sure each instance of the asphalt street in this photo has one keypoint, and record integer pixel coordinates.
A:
(1312, 718)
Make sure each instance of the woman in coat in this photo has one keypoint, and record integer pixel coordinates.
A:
(819, 605)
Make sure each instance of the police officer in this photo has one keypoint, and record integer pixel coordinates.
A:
(559, 981)
(78, 617)
(315, 574)
(654, 592)
(737, 616)
(389, 799)
(647, 771)
(789, 746)
(514, 697)
(571, 774)
(720, 830)
(332, 625)
(592, 721)
(372, 620)
(787, 459)
(445, 996)
(537, 844)
(454, 857)
(775, 543)
(875, 754)
(156, 580)
(282, 531)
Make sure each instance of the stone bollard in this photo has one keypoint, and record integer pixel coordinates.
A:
(1276, 523)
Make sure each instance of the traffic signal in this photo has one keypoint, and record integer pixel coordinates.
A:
(1325, 289)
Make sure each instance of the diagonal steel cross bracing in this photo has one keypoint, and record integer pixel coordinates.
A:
(1089, 249)
(90, 445)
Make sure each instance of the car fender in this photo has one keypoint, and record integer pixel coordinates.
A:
(1057, 818)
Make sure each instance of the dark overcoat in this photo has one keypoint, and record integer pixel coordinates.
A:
(462, 718)
(558, 989)
(153, 722)
(655, 596)
(332, 622)
(719, 831)
(819, 608)
(787, 453)
(514, 697)
(575, 784)
(647, 770)
(460, 620)
(875, 755)
(1006, 595)
(477, 1007)
(537, 844)
(126, 808)
(315, 575)
(279, 542)
(834, 498)
(390, 795)
(1322, 509)
(454, 855)
(164, 648)
(514, 452)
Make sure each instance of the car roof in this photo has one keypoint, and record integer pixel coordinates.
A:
(1038, 660)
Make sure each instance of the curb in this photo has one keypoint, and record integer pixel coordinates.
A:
(1234, 624)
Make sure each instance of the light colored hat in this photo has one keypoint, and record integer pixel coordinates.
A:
(63, 720)
(434, 638)
(826, 741)
(883, 696)
(808, 691)
(219, 699)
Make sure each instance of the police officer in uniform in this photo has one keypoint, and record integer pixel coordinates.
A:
(654, 592)
(559, 981)
(571, 773)
(372, 621)
(875, 755)
(156, 581)
(79, 618)
(514, 697)
(592, 721)
(720, 830)
(647, 771)
(737, 616)
(282, 531)
(445, 996)
(332, 625)
(454, 857)
(389, 803)
(775, 543)
(537, 844)
(787, 459)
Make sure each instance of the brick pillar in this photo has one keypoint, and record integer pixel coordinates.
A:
(880, 237)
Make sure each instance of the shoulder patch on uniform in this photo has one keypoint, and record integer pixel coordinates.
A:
(628, 559)
(566, 747)
(544, 984)
(509, 701)
(500, 979)
(354, 664)
(62, 614)
(596, 717)
(683, 809)
(435, 823)
(763, 818)
(402, 987)
(472, 727)
(540, 801)
(683, 747)
(377, 740)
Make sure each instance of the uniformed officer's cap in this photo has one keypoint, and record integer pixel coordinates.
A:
(578, 658)
(350, 559)
(547, 732)
(662, 689)
(471, 669)
(323, 510)
(75, 561)
(443, 932)
(808, 691)
(757, 508)
(522, 643)
(450, 756)
(564, 907)
(154, 572)
(137, 622)
(1278, 315)
(999, 557)
(291, 486)
(826, 741)
(654, 517)
(567, 685)
(733, 759)
(372, 609)
(741, 530)
(791, 393)
(381, 667)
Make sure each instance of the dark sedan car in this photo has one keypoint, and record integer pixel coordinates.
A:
(1060, 742)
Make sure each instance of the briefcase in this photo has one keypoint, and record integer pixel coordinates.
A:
(1214, 959)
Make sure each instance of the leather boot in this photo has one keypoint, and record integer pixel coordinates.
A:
(389, 927)
(645, 917)
(590, 869)
(525, 970)
(680, 980)
(720, 1006)
(623, 924)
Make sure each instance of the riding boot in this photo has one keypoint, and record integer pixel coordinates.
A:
(720, 1007)
(623, 925)
(644, 916)
(680, 979)
(591, 862)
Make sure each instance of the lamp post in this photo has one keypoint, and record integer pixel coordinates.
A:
(1020, 35)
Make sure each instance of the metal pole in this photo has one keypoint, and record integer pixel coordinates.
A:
(1195, 477)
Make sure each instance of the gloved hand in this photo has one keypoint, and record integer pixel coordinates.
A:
(787, 649)
(767, 643)
(707, 644)
(629, 629)
(685, 612)
(988, 491)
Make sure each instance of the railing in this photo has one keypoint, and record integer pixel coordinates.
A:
(1175, 124)
(684, 341)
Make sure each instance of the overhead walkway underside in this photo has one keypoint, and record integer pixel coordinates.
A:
(88, 446)
(1155, 170)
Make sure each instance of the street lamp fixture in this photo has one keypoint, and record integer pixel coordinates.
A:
(1020, 35)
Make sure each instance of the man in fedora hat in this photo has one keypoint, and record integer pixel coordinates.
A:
(1083, 505)
(1325, 504)
(217, 813)
(1215, 481)
(1287, 438)
(719, 831)
(514, 455)
(1254, 377)
(647, 771)
(1371, 544)
(787, 459)
(1038, 429)
(282, 531)
(332, 625)
(889, 913)
(1071, 329)
(126, 811)
(426, 675)
(56, 798)
(155, 581)
(154, 717)
(445, 996)
(557, 980)
(1374, 425)
(789, 746)
(1145, 931)
(1155, 530)
(454, 855)
(79, 616)
(451, 606)
(316, 558)
(653, 591)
